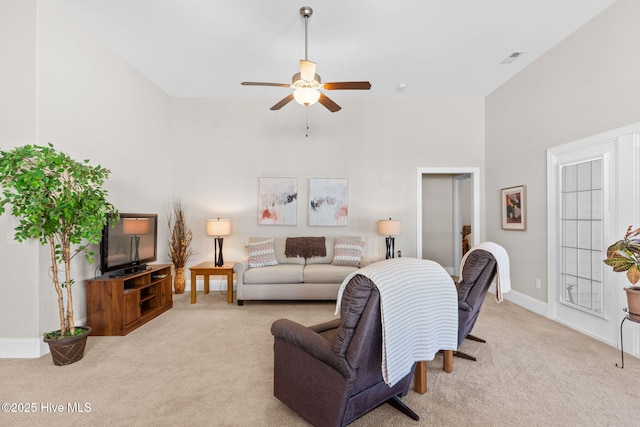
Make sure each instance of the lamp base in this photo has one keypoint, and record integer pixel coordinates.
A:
(218, 252)
(390, 246)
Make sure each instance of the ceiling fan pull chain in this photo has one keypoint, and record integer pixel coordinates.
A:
(307, 121)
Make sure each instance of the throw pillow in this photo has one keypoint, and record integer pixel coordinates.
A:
(348, 252)
(261, 254)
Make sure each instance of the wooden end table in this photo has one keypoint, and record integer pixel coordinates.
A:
(208, 268)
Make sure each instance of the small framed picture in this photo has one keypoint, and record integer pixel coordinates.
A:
(513, 208)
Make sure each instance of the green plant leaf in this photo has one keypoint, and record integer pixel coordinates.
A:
(619, 263)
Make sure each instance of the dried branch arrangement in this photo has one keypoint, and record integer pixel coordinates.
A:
(180, 244)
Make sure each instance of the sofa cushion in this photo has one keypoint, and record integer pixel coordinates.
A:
(330, 244)
(261, 254)
(327, 273)
(283, 273)
(348, 252)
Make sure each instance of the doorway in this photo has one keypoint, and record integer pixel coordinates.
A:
(447, 200)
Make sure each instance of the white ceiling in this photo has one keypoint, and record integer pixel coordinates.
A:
(205, 48)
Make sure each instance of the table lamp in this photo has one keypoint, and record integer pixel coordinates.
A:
(135, 227)
(389, 227)
(218, 227)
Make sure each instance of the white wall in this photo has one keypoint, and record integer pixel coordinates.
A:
(586, 85)
(376, 144)
(71, 90)
(17, 127)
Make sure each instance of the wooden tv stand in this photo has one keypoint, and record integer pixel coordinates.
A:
(116, 305)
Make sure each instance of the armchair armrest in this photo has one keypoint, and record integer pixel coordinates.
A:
(331, 324)
(310, 342)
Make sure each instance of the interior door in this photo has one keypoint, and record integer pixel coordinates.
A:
(583, 188)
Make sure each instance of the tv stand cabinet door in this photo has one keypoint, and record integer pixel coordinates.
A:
(105, 307)
(166, 292)
(131, 307)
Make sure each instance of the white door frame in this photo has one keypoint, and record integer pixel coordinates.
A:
(457, 222)
(621, 149)
(474, 173)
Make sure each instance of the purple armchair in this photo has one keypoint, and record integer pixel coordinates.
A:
(478, 272)
(330, 374)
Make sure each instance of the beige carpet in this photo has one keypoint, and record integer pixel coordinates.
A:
(210, 364)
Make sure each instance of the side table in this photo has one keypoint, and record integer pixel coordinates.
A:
(208, 268)
(633, 319)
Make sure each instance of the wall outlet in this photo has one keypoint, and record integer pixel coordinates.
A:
(538, 284)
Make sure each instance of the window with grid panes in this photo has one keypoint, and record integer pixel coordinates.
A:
(582, 233)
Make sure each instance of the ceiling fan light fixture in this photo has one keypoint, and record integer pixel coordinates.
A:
(307, 84)
(306, 96)
(298, 82)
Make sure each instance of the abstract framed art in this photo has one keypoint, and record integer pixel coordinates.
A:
(328, 201)
(277, 201)
(513, 208)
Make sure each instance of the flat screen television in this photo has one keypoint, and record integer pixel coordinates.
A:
(128, 244)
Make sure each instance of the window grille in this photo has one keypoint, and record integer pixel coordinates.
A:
(582, 234)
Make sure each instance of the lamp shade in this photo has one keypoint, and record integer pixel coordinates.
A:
(389, 227)
(135, 226)
(218, 227)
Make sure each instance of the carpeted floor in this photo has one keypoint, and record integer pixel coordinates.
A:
(210, 364)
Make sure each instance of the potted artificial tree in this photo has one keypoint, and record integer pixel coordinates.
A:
(60, 202)
(624, 255)
(179, 246)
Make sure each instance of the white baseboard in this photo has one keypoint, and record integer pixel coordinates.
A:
(27, 348)
(22, 348)
(524, 301)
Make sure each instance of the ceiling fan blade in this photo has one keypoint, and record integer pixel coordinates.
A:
(347, 85)
(327, 102)
(284, 101)
(307, 70)
(264, 84)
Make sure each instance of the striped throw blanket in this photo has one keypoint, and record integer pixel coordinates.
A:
(419, 307)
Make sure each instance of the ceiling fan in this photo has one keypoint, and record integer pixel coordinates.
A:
(307, 83)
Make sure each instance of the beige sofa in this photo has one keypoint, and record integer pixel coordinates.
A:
(297, 278)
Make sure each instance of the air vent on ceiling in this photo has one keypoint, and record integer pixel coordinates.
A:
(509, 59)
